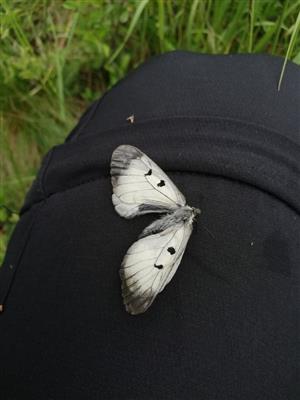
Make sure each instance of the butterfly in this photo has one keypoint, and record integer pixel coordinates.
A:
(140, 187)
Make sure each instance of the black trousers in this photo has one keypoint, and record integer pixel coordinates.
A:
(227, 326)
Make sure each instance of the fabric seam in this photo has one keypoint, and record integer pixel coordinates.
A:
(146, 122)
(170, 172)
(44, 172)
(187, 117)
(22, 250)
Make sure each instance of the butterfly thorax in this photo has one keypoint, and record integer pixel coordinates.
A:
(185, 214)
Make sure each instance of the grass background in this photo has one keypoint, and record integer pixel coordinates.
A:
(57, 56)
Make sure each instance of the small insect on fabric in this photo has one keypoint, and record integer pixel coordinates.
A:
(140, 187)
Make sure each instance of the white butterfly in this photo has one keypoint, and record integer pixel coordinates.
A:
(140, 187)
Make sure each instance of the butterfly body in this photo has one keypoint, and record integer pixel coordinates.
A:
(140, 187)
(182, 214)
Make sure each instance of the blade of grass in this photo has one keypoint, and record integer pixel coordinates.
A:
(132, 25)
(161, 23)
(70, 33)
(252, 10)
(219, 12)
(289, 50)
(171, 19)
(60, 84)
(200, 22)
(265, 40)
(279, 26)
(60, 58)
(190, 22)
(11, 14)
(233, 28)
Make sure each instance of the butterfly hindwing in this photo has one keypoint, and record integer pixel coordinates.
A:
(150, 263)
(140, 186)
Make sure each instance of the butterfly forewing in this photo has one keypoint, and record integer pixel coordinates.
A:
(140, 186)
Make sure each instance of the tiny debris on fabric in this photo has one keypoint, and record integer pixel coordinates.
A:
(130, 119)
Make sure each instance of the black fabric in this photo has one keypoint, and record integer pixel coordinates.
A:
(227, 326)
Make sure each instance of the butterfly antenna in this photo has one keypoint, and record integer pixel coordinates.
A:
(209, 232)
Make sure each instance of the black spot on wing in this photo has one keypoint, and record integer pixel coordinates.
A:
(171, 250)
(148, 173)
(161, 183)
(158, 266)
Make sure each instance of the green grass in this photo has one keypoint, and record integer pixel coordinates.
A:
(57, 56)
